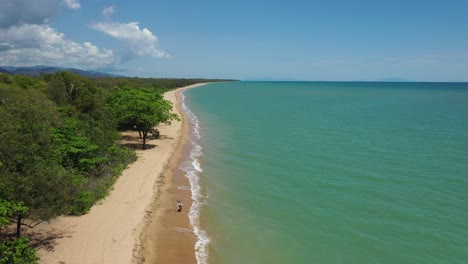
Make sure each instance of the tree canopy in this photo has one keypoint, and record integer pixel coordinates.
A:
(141, 109)
(31, 173)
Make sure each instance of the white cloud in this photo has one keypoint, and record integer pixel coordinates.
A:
(108, 12)
(40, 44)
(141, 42)
(27, 37)
(72, 4)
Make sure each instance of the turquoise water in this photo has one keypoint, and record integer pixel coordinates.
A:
(310, 172)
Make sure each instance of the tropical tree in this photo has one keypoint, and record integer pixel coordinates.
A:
(141, 109)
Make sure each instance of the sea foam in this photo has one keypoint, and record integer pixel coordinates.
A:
(192, 168)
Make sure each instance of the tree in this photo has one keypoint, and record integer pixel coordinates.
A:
(141, 109)
(16, 251)
(31, 173)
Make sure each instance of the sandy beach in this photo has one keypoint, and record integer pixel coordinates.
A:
(137, 222)
(168, 237)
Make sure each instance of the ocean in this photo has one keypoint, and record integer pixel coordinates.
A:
(329, 172)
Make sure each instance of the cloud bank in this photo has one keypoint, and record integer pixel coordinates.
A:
(27, 37)
(40, 44)
(141, 42)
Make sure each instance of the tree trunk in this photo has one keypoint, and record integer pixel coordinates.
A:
(139, 133)
(18, 226)
(145, 134)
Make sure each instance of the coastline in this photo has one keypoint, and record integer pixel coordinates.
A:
(114, 231)
(168, 236)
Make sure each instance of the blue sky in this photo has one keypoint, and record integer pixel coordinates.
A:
(277, 40)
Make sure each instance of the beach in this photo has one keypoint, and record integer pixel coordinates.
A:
(137, 222)
(168, 237)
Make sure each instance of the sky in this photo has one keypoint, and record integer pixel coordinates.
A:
(332, 40)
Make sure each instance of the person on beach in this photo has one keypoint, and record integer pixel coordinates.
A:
(179, 206)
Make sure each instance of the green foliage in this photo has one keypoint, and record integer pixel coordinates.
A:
(66, 88)
(6, 78)
(120, 156)
(17, 252)
(56, 91)
(81, 100)
(9, 210)
(141, 109)
(76, 146)
(31, 171)
(23, 81)
(97, 188)
(83, 203)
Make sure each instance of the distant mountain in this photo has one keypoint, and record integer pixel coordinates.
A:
(35, 71)
(90, 73)
(43, 69)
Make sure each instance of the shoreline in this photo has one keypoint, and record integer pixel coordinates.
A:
(168, 236)
(114, 229)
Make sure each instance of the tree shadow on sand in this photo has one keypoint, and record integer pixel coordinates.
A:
(46, 240)
(138, 146)
(135, 142)
(130, 138)
(37, 239)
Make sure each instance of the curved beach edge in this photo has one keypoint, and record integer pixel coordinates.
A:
(167, 236)
(114, 231)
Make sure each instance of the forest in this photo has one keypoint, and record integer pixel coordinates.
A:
(59, 145)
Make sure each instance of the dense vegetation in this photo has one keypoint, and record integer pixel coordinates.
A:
(59, 152)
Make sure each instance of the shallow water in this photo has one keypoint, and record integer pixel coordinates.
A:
(310, 172)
